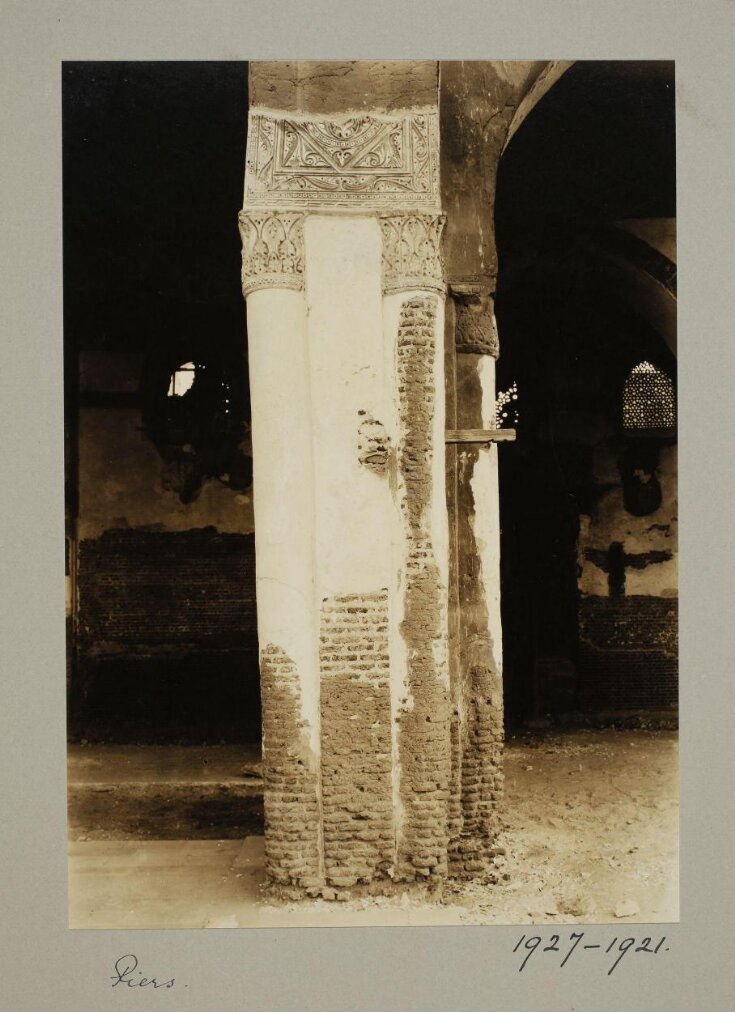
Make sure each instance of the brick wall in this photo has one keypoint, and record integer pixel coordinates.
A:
(148, 589)
(628, 652)
(356, 745)
(167, 644)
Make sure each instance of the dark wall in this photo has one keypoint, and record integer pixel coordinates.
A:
(167, 646)
(163, 640)
(183, 590)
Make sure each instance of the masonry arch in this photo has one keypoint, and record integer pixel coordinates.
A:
(550, 74)
(588, 511)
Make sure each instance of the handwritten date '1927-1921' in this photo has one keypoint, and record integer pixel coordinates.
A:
(617, 947)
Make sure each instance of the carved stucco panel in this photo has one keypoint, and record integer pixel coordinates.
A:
(352, 163)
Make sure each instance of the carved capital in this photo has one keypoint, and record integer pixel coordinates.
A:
(272, 249)
(411, 252)
(475, 329)
(349, 162)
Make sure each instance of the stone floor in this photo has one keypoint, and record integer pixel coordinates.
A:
(172, 837)
(159, 792)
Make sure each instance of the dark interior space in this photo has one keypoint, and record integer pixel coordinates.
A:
(160, 555)
(153, 166)
(161, 586)
(589, 626)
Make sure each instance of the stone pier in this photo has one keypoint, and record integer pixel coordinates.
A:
(380, 644)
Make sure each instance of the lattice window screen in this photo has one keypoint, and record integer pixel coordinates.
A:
(648, 399)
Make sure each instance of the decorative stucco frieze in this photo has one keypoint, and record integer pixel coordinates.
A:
(352, 163)
(412, 252)
(272, 249)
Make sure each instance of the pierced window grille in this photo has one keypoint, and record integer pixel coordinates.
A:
(648, 399)
(506, 408)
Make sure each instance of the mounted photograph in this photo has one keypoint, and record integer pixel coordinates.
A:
(371, 488)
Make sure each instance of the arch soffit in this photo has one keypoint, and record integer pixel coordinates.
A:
(645, 295)
(550, 74)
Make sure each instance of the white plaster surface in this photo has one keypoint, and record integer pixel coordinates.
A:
(283, 483)
(346, 367)
(485, 493)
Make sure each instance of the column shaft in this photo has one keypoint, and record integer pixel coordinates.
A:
(283, 486)
(478, 687)
(352, 561)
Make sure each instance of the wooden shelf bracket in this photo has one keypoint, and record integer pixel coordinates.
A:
(480, 436)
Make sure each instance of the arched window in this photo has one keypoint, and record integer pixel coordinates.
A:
(182, 380)
(648, 399)
(195, 410)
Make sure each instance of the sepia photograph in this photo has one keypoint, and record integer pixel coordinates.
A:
(371, 493)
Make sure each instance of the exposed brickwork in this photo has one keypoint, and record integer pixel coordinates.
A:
(289, 776)
(147, 589)
(454, 806)
(424, 731)
(454, 822)
(472, 852)
(628, 654)
(373, 444)
(356, 738)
